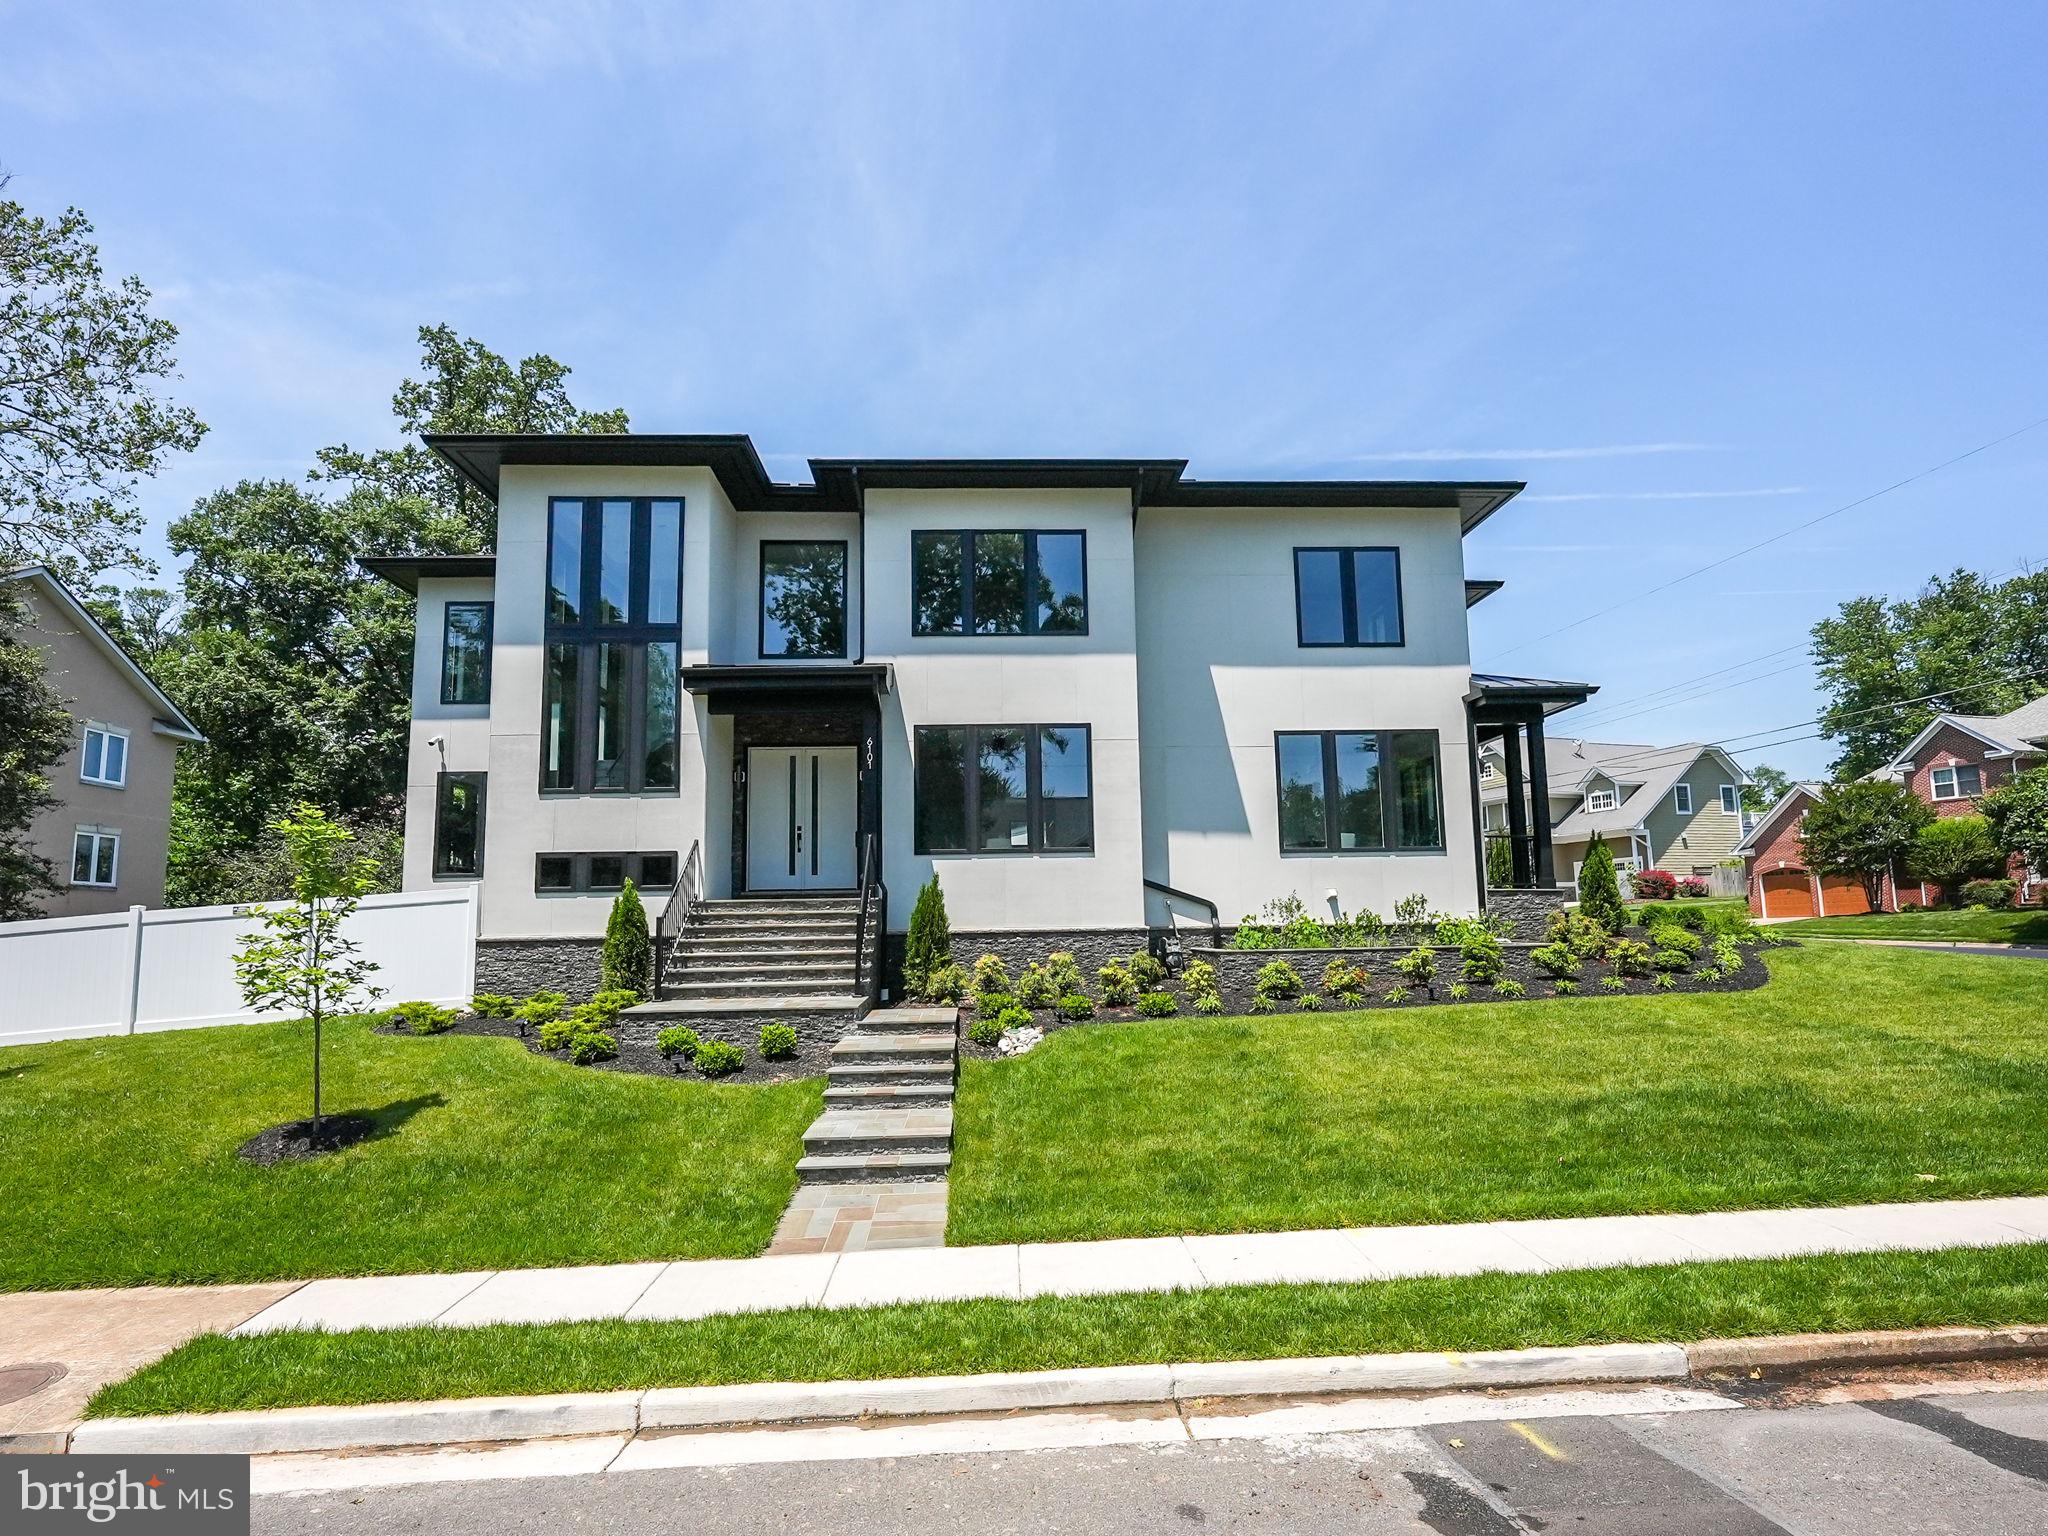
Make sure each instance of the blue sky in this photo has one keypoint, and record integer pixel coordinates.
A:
(1696, 274)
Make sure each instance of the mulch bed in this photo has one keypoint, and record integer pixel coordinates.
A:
(295, 1142)
(637, 1052)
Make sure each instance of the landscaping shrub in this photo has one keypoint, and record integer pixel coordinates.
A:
(1075, 1007)
(1955, 850)
(1600, 888)
(986, 1029)
(539, 1009)
(676, 1041)
(1556, 959)
(1412, 911)
(1119, 988)
(423, 1018)
(1579, 933)
(1460, 991)
(1510, 988)
(1344, 981)
(1656, 912)
(1629, 957)
(1671, 960)
(1655, 885)
(1285, 923)
(627, 961)
(1277, 980)
(715, 1058)
(1013, 1018)
(1065, 972)
(1035, 987)
(1664, 981)
(1198, 980)
(1161, 1005)
(1309, 1002)
(1693, 888)
(928, 940)
(1614, 983)
(1417, 968)
(1208, 1003)
(1728, 955)
(1989, 893)
(557, 1033)
(1481, 960)
(1733, 924)
(609, 1005)
(946, 983)
(778, 1041)
(588, 1045)
(990, 975)
(1565, 987)
(492, 1005)
(1457, 932)
(1672, 936)
(1147, 970)
(994, 1002)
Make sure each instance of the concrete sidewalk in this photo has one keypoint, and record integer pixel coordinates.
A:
(705, 1287)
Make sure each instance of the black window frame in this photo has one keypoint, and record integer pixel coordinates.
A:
(634, 863)
(967, 538)
(483, 800)
(1348, 592)
(490, 610)
(761, 600)
(971, 792)
(636, 635)
(1390, 793)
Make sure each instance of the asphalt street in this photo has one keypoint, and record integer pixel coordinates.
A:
(1971, 1462)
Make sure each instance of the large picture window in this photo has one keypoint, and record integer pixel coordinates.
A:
(1358, 791)
(466, 653)
(992, 581)
(610, 689)
(1005, 789)
(1348, 597)
(458, 826)
(803, 598)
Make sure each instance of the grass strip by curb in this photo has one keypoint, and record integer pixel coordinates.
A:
(1676, 1303)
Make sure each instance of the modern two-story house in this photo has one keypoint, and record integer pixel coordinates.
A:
(1098, 698)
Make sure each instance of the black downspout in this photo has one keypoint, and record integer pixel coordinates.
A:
(1478, 817)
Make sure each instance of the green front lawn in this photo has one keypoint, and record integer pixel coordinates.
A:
(121, 1168)
(1986, 927)
(1981, 1286)
(1855, 1075)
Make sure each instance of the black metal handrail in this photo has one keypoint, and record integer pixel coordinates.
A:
(874, 895)
(682, 900)
(1215, 914)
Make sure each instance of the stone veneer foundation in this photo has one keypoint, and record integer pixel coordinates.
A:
(521, 967)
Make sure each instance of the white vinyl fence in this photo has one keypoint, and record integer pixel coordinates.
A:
(124, 973)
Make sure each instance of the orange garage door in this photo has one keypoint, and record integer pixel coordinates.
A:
(1842, 896)
(1787, 893)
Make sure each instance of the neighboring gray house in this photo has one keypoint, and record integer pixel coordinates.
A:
(1678, 809)
(109, 834)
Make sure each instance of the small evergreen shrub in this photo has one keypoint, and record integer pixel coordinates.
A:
(777, 1042)
(588, 1045)
(1198, 980)
(1417, 968)
(1161, 1005)
(1578, 933)
(990, 975)
(1988, 893)
(1013, 1018)
(1655, 885)
(1035, 987)
(1557, 960)
(946, 983)
(539, 1009)
(1208, 1004)
(1147, 970)
(1510, 988)
(556, 1033)
(995, 1002)
(1277, 980)
(626, 963)
(1671, 960)
(676, 1042)
(492, 1005)
(928, 939)
(986, 1029)
(1600, 888)
(717, 1058)
(609, 1005)
(1672, 936)
(1629, 957)
(1118, 986)
(422, 1018)
(1065, 972)
(1482, 961)
(1074, 1007)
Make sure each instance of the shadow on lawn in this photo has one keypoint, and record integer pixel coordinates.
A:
(389, 1119)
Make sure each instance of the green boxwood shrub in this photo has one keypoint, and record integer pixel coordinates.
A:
(588, 1045)
(626, 963)
(1277, 981)
(492, 1005)
(778, 1041)
(677, 1043)
(716, 1058)
(1159, 1005)
(1075, 1006)
(1013, 1018)
(1671, 960)
(994, 1002)
(1118, 986)
(423, 1018)
(986, 1029)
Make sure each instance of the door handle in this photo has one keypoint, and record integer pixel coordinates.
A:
(799, 837)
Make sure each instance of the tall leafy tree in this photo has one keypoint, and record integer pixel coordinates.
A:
(1962, 646)
(1862, 829)
(2018, 813)
(1766, 787)
(81, 415)
(35, 728)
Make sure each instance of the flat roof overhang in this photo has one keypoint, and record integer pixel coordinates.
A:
(405, 571)
(745, 687)
(1495, 696)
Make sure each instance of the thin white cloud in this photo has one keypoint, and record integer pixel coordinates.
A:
(1768, 490)
(1475, 455)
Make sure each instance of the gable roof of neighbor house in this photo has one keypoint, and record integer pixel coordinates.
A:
(1808, 790)
(836, 485)
(170, 720)
(1643, 775)
(2017, 732)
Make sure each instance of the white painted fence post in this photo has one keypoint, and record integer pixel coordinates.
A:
(134, 1000)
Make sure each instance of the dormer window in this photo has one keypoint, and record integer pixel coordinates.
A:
(1600, 800)
(1487, 772)
(1958, 781)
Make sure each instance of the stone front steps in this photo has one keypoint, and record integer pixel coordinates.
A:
(784, 954)
(888, 1102)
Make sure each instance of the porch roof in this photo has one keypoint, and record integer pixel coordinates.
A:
(738, 686)
(1498, 692)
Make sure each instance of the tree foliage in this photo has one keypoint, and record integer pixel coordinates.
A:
(1600, 888)
(1766, 787)
(1951, 850)
(2018, 814)
(81, 419)
(35, 730)
(626, 962)
(1861, 829)
(1962, 646)
(928, 940)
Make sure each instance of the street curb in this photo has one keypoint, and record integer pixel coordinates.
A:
(1894, 1347)
(465, 1421)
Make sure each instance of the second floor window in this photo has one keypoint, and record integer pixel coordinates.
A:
(1731, 799)
(466, 653)
(1599, 799)
(803, 598)
(1960, 781)
(610, 687)
(992, 581)
(1348, 597)
(1681, 799)
(104, 759)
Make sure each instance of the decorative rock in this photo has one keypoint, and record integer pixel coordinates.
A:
(1017, 1041)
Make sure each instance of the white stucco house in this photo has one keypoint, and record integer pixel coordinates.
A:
(1100, 698)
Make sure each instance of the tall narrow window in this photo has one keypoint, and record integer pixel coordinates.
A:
(1361, 823)
(458, 826)
(1303, 819)
(1420, 823)
(997, 581)
(803, 598)
(610, 703)
(1004, 789)
(1348, 597)
(1358, 791)
(1681, 799)
(466, 653)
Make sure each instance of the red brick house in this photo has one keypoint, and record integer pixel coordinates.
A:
(1952, 764)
